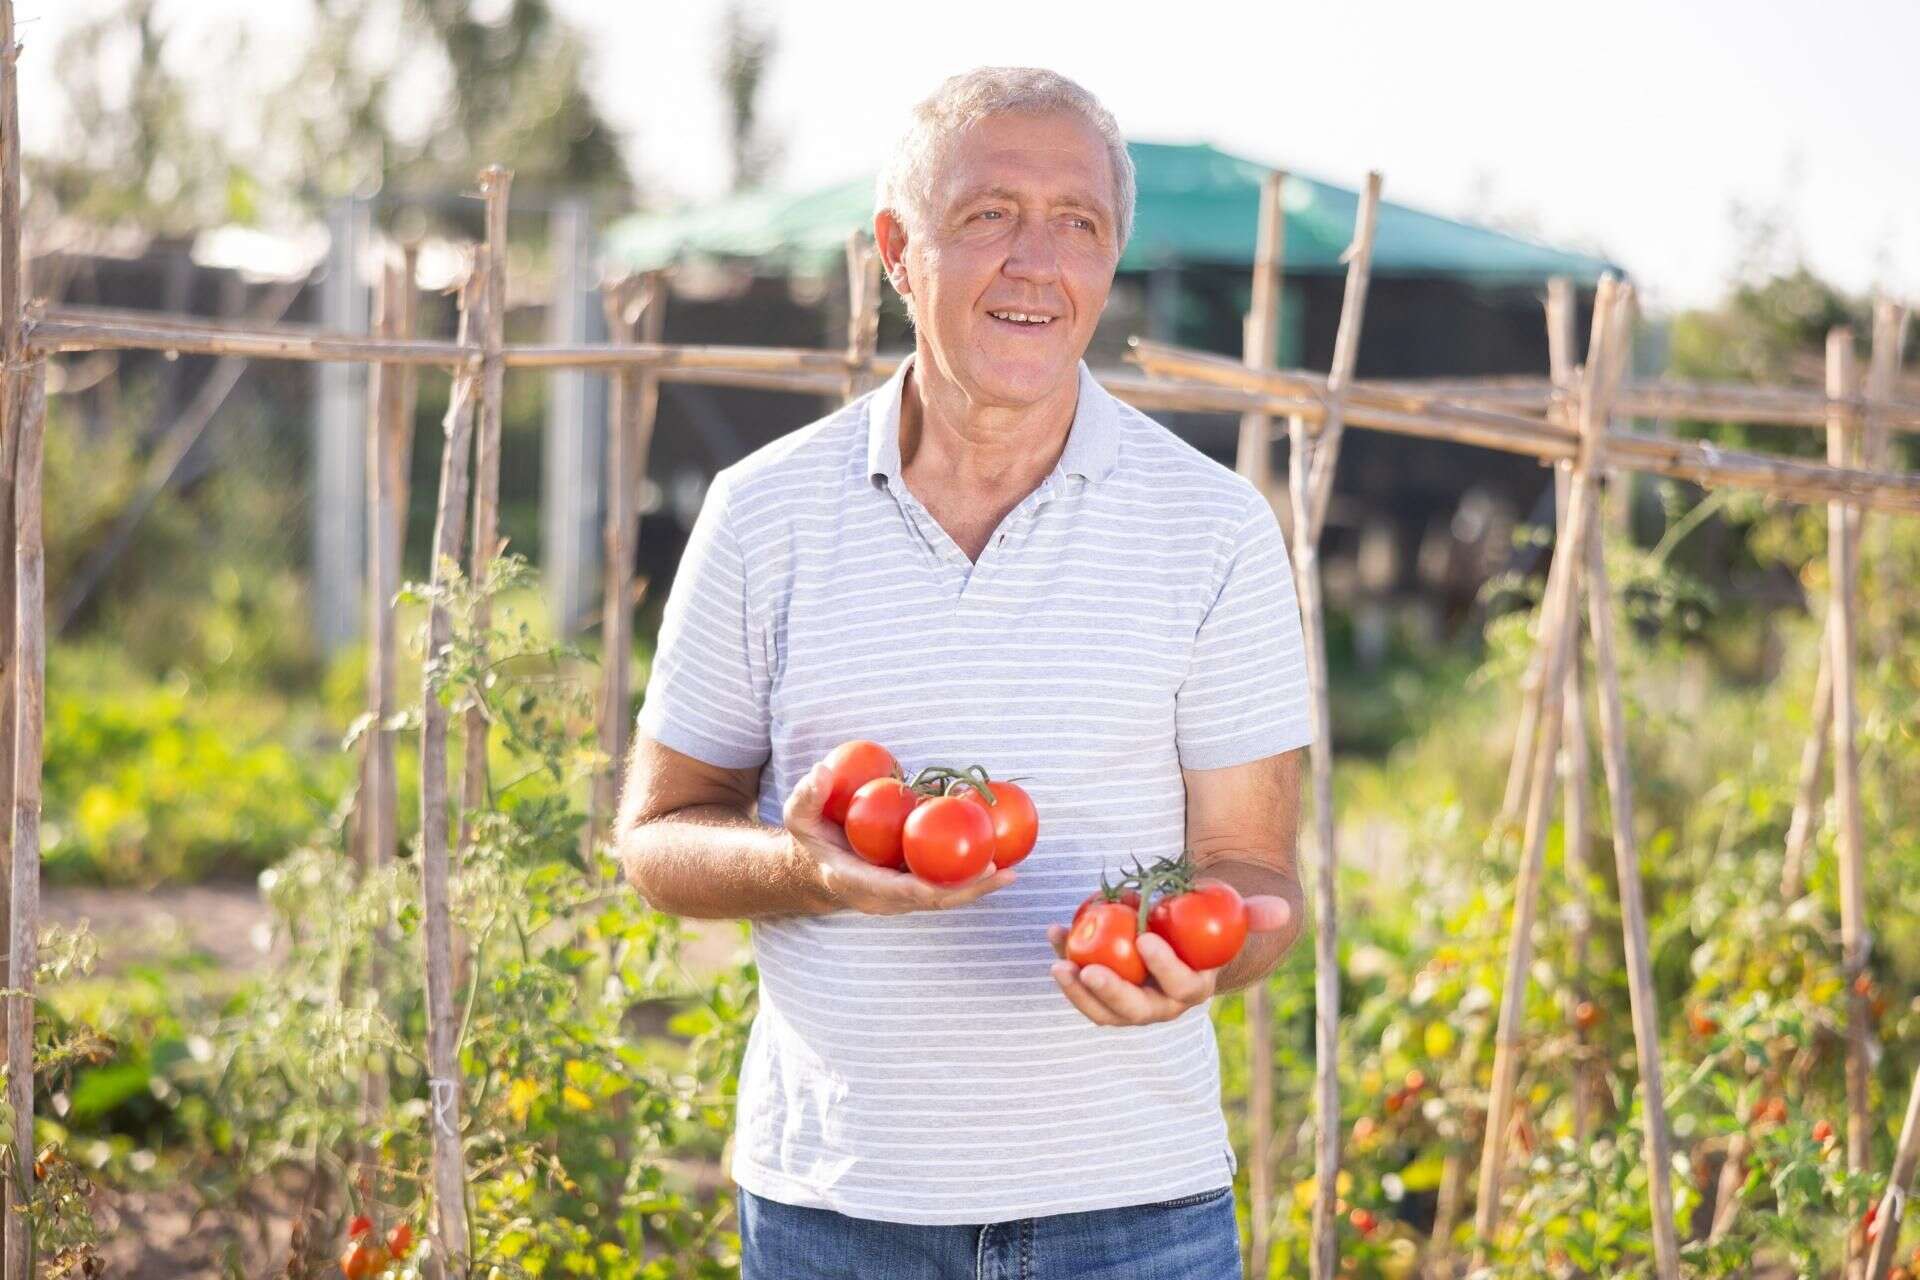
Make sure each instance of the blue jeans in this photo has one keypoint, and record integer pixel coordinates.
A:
(1192, 1238)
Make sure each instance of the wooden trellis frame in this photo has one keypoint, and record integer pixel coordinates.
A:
(1558, 420)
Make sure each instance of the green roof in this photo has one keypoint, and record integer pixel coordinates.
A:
(1196, 204)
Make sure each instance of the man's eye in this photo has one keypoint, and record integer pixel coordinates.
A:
(989, 213)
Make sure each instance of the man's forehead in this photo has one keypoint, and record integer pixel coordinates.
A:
(1016, 154)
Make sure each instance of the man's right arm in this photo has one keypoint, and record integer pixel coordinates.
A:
(688, 840)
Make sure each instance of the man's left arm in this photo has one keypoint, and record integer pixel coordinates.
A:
(1243, 824)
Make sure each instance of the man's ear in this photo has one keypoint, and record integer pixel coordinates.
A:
(890, 237)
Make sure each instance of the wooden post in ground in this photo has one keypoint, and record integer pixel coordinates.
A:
(1893, 1203)
(1575, 765)
(1633, 912)
(1254, 460)
(863, 311)
(1557, 636)
(635, 311)
(20, 389)
(443, 1060)
(494, 182)
(29, 690)
(1310, 475)
(1841, 563)
(1883, 367)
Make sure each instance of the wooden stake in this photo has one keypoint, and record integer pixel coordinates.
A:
(1889, 331)
(863, 312)
(1310, 474)
(29, 682)
(1557, 638)
(494, 182)
(1346, 349)
(1641, 995)
(1254, 460)
(443, 1063)
(1893, 1204)
(635, 400)
(1846, 761)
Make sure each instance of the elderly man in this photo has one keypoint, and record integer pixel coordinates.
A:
(987, 560)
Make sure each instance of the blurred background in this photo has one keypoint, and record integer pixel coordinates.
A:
(1749, 168)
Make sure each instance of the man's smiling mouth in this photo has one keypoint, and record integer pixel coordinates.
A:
(1024, 318)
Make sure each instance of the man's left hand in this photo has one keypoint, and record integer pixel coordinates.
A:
(1111, 1001)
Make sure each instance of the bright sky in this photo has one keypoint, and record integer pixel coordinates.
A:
(1633, 127)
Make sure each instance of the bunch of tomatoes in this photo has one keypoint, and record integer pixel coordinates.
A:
(944, 825)
(1203, 920)
(366, 1255)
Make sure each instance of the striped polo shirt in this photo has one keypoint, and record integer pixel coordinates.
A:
(1133, 616)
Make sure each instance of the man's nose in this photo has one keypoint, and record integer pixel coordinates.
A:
(1033, 256)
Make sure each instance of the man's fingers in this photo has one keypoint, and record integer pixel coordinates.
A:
(1268, 914)
(1068, 976)
(1173, 976)
(1135, 1006)
(1057, 938)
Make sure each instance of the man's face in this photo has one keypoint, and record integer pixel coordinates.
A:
(1012, 269)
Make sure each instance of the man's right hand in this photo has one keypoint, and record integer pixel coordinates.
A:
(849, 881)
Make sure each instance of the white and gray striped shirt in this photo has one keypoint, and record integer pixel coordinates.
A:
(1132, 616)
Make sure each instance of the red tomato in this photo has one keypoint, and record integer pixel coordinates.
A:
(359, 1226)
(1205, 926)
(875, 819)
(1016, 823)
(362, 1260)
(1363, 1221)
(400, 1239)
(948, 840)
(1129, 897)
(1104, 934)
(854, 765)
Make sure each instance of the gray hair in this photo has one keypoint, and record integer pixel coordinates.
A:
(962, 100)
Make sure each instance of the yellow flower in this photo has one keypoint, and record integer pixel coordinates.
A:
(520, 1096)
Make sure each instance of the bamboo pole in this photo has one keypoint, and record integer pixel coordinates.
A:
(863, 312)
(1575, 764)
(486, 544)
(1346, 350)
(1310, 481)
(383, 395)
(1889, 331)
(1557, 636)
(1561, 371)
(23, 924)
(1846, 761)
(1641, 996)
(1704, 464)
(635, 402)
(443, 1065)
(1893, 1202)
(20, 389)
(1253, 458)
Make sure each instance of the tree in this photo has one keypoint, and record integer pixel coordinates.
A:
(746, 46)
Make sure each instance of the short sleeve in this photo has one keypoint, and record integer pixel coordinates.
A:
(1246, 695)
(707, 692)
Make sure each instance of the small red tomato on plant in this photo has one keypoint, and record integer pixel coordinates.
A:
(948, 840)
(400, 1239)
(876, 818)
(1701, 1021)
(1416, 1080)
(1586, 1015)
(358, 1262)
(1363, 1221)
(1106, 934)
(1823, 1132)
(359, 1226)
(853, 765)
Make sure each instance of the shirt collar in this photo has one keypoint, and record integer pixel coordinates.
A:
(1093, 441)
